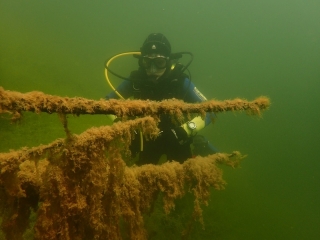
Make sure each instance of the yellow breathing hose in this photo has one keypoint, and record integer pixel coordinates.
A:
(113, 88)
(106, 70)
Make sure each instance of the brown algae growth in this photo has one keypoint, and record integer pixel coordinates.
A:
(81, 187)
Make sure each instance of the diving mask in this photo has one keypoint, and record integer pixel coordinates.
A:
(157, 61)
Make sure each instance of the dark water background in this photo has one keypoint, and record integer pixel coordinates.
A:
(242, 49)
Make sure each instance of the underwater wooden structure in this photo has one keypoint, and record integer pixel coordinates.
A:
(81, 187)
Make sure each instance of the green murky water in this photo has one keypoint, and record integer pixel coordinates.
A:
(242, 49)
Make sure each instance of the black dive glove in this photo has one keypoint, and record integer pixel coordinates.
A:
(173, 136)
(202, 146)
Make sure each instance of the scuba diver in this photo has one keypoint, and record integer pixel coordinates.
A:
(160, 76)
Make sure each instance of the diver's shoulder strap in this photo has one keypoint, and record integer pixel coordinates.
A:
(137, 77)
(176, 72)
